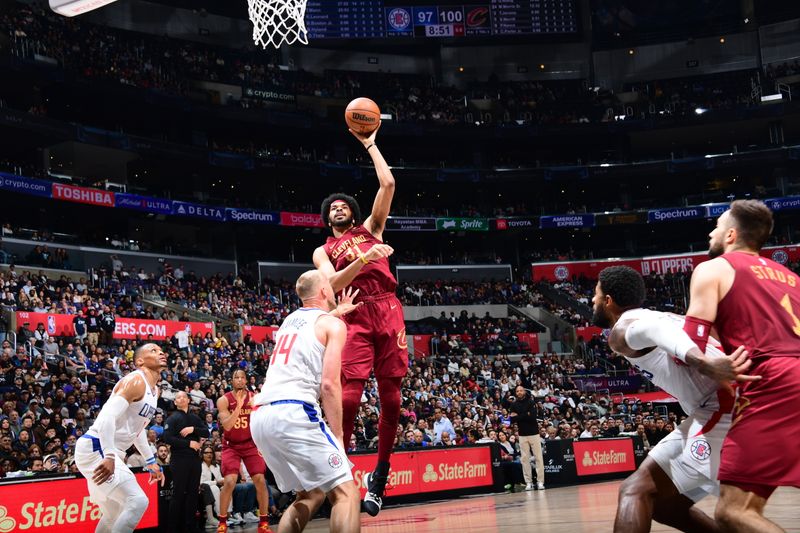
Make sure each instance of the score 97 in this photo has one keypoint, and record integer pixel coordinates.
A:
(425, 16)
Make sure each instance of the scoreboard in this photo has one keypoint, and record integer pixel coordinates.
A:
(379, 19)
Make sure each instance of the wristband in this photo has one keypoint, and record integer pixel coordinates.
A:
(150, 461)
(363, 259)
(370, 146)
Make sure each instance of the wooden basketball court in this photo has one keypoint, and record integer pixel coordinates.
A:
(577, 509)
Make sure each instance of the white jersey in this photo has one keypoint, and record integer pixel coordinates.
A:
(135, 418)
(692, 389)
(295, 369)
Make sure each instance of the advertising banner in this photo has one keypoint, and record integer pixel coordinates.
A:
(149, 204)
(567, 221)
(676, 213)
(559, 462)
(604, 456)
(83, 195)
(260, 334)
(189, 209)
(269, 94)
(587, 332)
(126, 328)
(34, 187)
(410, 224)
(531, 339)
(422, 345)
(502, 224)
(63, 504)
(614, 219)
(613, 385)
(715, 210)
(252, 215)
(306, 220)
(782, 204)
(659, 264)
(439, 469)
(462, 224)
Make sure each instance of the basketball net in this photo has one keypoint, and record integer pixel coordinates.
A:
(278, 21)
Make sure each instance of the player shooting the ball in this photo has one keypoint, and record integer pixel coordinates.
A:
(376, 334)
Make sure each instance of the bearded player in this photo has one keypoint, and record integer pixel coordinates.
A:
(237, 447)
(100, 453)
(752, 301)
(376, 333)
(681, 469)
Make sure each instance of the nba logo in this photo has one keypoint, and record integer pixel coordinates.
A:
(51, 324)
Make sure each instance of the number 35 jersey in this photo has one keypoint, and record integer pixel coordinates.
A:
(760, 310)
(295, 368)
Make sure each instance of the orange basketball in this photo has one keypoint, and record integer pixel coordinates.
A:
(362, 115)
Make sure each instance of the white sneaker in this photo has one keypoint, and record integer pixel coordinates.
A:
(529, 486)
(211, 523)
(235, 519)
(250, 518)
(540, 486)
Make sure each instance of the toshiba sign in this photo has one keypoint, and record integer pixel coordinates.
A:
(430, 470)
(604, 456)
(63, 505)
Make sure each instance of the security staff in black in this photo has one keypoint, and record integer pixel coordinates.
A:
(183, 431)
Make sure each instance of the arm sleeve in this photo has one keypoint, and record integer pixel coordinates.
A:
(661, 331)
(106, 424)
(143, 446)
(172, 434)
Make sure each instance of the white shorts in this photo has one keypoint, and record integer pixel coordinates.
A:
(298, 447)
(88, 457)
(690, 456)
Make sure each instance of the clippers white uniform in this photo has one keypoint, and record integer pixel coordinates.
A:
(689, 455)
(88, 454)
(286, 422)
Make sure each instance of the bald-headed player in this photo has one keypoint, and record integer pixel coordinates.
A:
(100, 453)
(305, 454)
(376, 333)
(752, 301)
(238, 447)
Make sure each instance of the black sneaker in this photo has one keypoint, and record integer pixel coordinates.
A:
(375, 487)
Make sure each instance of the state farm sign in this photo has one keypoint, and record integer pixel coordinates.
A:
(430, 470)
(604, 456)
(62, 504)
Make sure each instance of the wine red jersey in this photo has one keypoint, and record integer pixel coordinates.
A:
(240, 432)
(374, 278)
(760, 310)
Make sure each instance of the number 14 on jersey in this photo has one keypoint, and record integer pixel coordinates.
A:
(283, 347)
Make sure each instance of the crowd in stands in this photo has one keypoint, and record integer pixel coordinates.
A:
(154, 62)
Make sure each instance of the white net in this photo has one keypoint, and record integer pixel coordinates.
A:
(278, 21)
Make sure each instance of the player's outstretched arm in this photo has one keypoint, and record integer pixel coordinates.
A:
(376, 221)
(341, 279)
(334, 333)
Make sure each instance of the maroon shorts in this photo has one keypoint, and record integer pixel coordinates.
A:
(235, 454)
(376, 338)
(761, 447)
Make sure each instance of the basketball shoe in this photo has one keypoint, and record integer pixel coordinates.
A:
(376, 485)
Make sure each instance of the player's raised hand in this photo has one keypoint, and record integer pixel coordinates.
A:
(366, 138)
(377, 251)
(346, 304)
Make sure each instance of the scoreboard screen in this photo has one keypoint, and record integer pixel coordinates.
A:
(378, 19)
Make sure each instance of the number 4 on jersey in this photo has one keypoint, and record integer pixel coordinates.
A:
(284, 347)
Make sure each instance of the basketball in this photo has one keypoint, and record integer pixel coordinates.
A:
(362, 115)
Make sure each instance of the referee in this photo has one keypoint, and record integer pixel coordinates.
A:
(183, 431)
